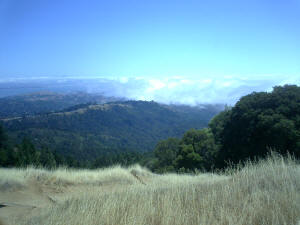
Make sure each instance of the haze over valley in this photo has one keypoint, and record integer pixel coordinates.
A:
(168, 90)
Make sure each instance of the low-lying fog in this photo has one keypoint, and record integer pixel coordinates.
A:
(177, 89)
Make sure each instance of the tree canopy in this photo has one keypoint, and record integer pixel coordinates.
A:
(195, 150)
(260, 122)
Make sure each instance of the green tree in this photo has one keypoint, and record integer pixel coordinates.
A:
(27, 154)
(197, 150)
(3, 138)
(7, 156)
(217, 124)
(258, 122)
(166, 152)
(46, 158)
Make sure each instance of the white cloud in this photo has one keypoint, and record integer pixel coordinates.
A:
(123, 80)
(155, 85)
(176, 89)
(193, 91)
(172, 84)
(184, 81)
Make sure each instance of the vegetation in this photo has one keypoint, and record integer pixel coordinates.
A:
(25, 154)
(196, 150)
(89, 131)
(45, 102)
(266, 192)
(258, 123)
(122, 159)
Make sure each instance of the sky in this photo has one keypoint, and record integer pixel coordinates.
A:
(209, 44)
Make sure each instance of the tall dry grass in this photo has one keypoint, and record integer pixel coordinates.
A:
(267, 192)
(13, 178)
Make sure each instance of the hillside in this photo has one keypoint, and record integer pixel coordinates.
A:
(85, 131)
(262, 193)
(44, 102)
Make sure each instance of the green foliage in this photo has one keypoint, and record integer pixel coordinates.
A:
(3, 138)
(47, 159)
(88, 131)
(196, 150)
(6, 153)
(166, 152)
(26, 154)
(258, 122)
(217, 124)
(45, 102)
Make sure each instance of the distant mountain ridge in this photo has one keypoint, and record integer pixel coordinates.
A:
(89, 130)
(45, 102)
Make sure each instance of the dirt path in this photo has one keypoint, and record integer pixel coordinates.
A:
(15, 203)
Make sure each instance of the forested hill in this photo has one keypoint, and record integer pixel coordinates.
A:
(43, 102)
(87, 131)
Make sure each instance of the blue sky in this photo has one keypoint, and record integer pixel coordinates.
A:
(197, 40)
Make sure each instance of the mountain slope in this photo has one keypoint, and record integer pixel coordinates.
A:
(87, 131)
(44, 102)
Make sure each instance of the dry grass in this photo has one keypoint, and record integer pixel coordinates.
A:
(267, 192)
(63, 177)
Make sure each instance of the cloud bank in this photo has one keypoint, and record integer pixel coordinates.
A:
(177, 89)
(189, 91)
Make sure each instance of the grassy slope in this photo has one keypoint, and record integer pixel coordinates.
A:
(264, 193)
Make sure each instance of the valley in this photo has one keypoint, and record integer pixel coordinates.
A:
(87, 130)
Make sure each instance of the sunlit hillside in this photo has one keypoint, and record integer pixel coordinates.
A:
(267, 192)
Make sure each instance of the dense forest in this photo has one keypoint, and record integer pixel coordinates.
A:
(86, 131)
(26, 154)
(259, 123)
